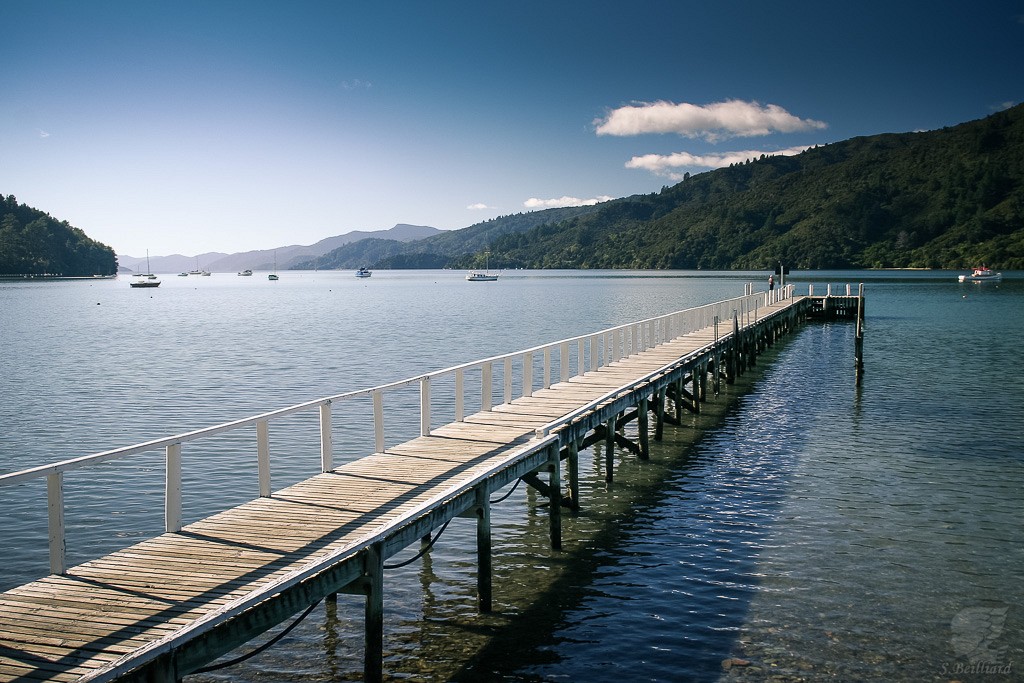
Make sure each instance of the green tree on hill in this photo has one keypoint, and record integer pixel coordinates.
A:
(35, 243)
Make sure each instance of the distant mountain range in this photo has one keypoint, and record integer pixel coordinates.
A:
(263, 259)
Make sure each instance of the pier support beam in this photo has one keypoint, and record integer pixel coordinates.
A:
(555, 496)
(731, 362)
(642, 427)
(609, 449)
(371, 584)
(858, 339)
(659, 413)
(574, 473)
(483, 550)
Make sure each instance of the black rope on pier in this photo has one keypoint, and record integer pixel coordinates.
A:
(423, 551)
(261, 648)
(513, 490)
(431, 542)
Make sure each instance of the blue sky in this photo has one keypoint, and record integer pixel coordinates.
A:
(188, 127)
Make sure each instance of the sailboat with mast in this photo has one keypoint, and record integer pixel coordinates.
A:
(483, 275)
(273, 276)
(147, 279)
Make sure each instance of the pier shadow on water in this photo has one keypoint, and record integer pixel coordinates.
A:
(657, 569)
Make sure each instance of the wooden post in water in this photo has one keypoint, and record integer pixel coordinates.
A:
(555, 494)
(659, 413)
(696, 377)
(858, 339)
(609, 449)
(731, 363)
(373, 654)
(483, 549)
(643, 429)
(574, 473)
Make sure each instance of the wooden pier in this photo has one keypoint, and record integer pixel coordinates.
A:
(170, 605)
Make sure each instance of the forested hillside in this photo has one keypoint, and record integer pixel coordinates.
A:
(951, 198)
(35, 243)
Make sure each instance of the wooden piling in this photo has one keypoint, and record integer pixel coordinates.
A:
(858, 339)
(643, 428)
(574, 473)
(609, 449)
(555, 496)
(483, 550)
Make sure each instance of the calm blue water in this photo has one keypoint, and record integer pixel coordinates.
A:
(802, 528)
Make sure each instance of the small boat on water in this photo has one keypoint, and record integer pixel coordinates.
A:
(364, 272)
(482, 275)
(982, 274)
(182, 274)
(146, 279)
(273, 276)
(245, 273)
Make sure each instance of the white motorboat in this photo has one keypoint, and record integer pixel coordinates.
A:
(364, 272)
(982, 274)
(481, 277)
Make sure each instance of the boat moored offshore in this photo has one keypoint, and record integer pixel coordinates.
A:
(982, 274)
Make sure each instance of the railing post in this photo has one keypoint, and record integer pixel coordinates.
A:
(55, 510)
(326, 442)
(595, 353)
(460, 404)
(172, 489)
(425, 406)
(486, 386)
(378, 421)
(563, 361)
(581, 367)
(507, 379)
(263, 457)
(528, 374)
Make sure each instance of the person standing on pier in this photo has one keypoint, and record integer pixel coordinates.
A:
(771, 282)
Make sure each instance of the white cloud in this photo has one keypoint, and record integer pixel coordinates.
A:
(669, 164)
(534, 203)
(43, 134)
(712, 122)
(1003, 106)
(479, 206)
(356, 84)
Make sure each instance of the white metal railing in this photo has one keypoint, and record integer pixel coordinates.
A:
(592, 351)
(829, 292)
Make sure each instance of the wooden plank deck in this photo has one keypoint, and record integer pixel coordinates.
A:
(105, 618)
